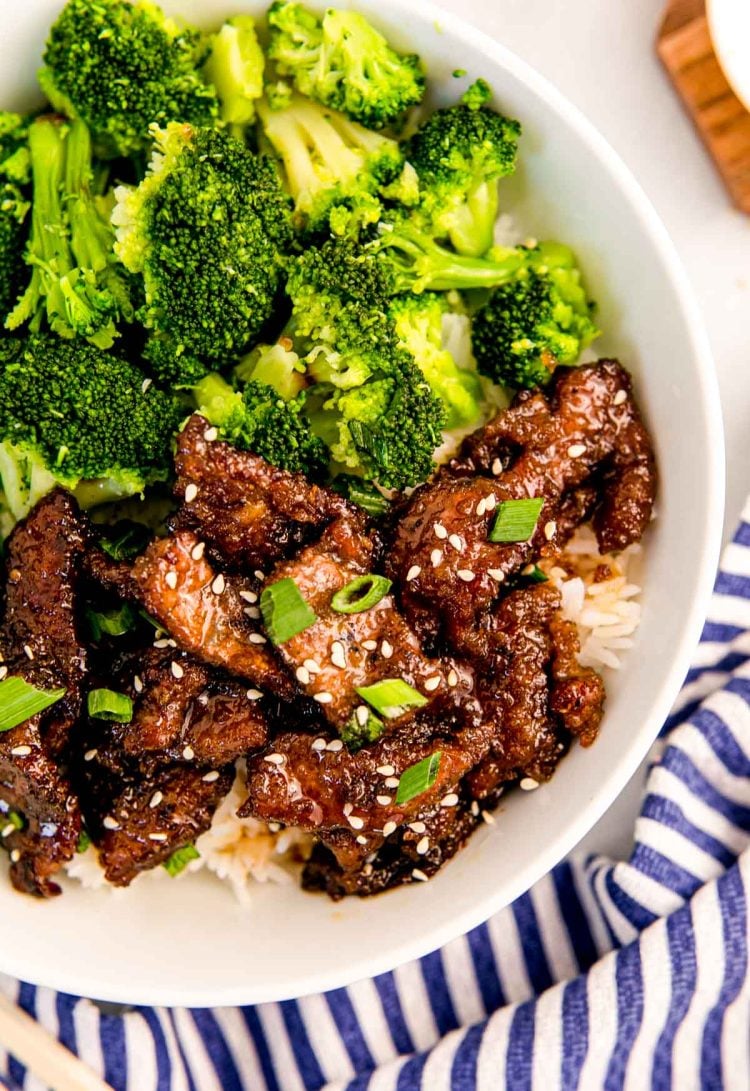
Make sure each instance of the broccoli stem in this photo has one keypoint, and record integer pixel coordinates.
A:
(419, 264)
(472, 224)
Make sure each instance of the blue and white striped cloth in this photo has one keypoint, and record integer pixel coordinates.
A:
(605, 975)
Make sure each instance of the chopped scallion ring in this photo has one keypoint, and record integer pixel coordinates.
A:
(111, 622)
(361, 594)
(357, 734)
(516, 520)
(392, 697)
(537, 576)
(285, 612)
(418, 778)
(106, 704)
(180, 859)
(19, 701)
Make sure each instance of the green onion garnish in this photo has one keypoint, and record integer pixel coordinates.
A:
(516, 519)
(418, 778)
(106, 704)
(536, 575)
(361, 493)
(361, 594)
(15, 820)
(19, 701)
(392, 697)
(357, 733)
(111, 622)
(285, 612)
(125, 541)
(84, 841)
(180, 859)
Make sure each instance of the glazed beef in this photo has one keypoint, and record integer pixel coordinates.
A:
(40, 642)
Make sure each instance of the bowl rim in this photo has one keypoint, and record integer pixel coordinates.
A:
(89, 980)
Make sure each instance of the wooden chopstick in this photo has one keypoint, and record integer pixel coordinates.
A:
(42, 1054)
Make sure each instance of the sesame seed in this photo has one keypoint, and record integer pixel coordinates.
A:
(436, 557)
(248, 596)
(211, 777)
(361, 840)
(452, 678)
(157, 837)
(252, 612)
(576, 450)
(386, 650)
(177, 671)
(497, 574)
(171, 579)
(145, 385)
(254, 695)
(528, 570)
(475, 808)
(138, 684)
(413, 573)
(370, 645)
(21, 751)
(347, 809)
(338, 655)
(456, 542)
(334, 746)
(490, 502)
(90, 755)
(3, 673)
(313, 666)
(528, 784)
(156, 799)
(274, 827)
(391, 782)
(188, 753)
(323, 698)
(384, 800)
(15, 856)
(388, 829)
(219, 584)
(211, 434)
(417, 827)
(620, 397)
(274, 759)
(432, 683)
(256, 638)
(450, 800)
(303, 676)
(385, 770)
(362, 713)
(549, 530)
(440, 531)
(356, 822)
(162, 643)
(28, 651)
(191, 492)
(465, 574)
(110, 823)
(318, 744)
(488, 817)
(6, 831)
(497, 467)
(419, 876)
(423, 846)
(259, 575)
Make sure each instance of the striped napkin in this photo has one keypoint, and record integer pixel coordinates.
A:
(605, 975)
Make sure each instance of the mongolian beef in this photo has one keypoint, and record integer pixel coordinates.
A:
(315, 513)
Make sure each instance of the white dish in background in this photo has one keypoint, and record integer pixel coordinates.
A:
(189, 942)
(729, 23)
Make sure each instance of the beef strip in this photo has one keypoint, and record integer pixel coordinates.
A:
(342, 652)
(40, 642)
(252, 513)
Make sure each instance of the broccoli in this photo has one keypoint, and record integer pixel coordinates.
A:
(206, 230)
(419, 327)
(235, 68)
(75, 416)
(540, 319)
(122, 67)
(257, 419)
(343, 62)
(329, 161)
(275, 365)
(75, 284)
(15, 162)
(13, 231)
(459, 155)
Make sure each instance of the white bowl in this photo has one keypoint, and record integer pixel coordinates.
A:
(189, 942)
(729, 23)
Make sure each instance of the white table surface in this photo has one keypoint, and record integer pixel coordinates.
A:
(600, 53)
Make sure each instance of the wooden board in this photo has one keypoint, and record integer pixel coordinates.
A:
(684, 46)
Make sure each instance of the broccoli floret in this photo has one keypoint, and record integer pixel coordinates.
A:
(122, 67)
(419, 327)
(206, 230)
(276, 365)
(75, 416)
(257, 419)
(75, 286)
(235, 68)
(540, 319)
(343, 62)
(15, 161)
(329, 161)
(459, 155)
(13, 231)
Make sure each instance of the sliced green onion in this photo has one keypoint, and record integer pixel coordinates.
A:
(516, 519)
(285, 612)
(111, 622)
(125, 541)
(15, 820)
(19, 701)
(361, 594)
(106, 704)
(84, 841)
(418, 778)
(392, 697)
(361, 493)
(536, 575)
(180, 859)
(357, 734)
